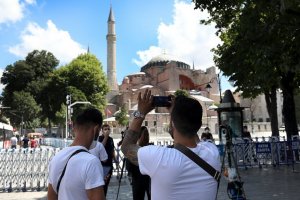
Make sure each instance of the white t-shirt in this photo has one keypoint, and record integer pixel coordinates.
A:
(84, 171)
(99, 151)
(14, 140)
(175, 176)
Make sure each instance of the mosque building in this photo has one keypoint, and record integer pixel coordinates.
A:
(163, 74)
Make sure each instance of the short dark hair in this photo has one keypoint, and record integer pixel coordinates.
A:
(187, 115)
(144, 129)
(89, 116)
(105, 125)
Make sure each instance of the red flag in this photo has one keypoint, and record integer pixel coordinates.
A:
(107, 111)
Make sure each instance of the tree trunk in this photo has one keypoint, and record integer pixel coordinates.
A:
(288, 111)
(49, 126)
(271, 101)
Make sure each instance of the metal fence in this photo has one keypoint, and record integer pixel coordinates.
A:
(24, 169)
(267, 152)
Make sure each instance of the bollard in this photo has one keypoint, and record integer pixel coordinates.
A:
(38, 186)
(24, 188)
(9, 189)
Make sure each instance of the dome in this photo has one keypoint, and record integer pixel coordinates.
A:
(137, 74)
(162, 60)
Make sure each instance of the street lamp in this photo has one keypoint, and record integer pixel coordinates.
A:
(208, 86)
(68, 102)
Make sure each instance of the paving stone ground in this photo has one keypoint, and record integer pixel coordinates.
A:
(267, 183)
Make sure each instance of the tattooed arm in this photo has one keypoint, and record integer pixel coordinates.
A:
(129, 146)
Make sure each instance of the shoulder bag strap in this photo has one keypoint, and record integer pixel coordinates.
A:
(64, 170)
(199, 161)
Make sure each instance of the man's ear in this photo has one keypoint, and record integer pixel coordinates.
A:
(97, 128)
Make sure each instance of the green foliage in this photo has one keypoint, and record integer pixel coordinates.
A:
(44, 88)
(85, 73)
(260, 49)
(181, 93)
(24, 106)
(27, 79)
(122, 116)
(4, 119)
(60, 116)
(83, 79)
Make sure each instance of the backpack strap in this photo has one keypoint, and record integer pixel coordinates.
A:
(64, 170)
(199, 161)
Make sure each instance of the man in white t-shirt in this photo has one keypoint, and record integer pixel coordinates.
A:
(99, 152)
(83, 177)
(14, 142)
(173, 175)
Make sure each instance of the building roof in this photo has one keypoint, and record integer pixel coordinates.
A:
(137, 73)
(163, 59)
(146, 86)
(110, 119)
(202, 98)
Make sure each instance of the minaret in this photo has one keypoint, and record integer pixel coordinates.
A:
(111, 53)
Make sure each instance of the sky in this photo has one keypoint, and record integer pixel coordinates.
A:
(144, 29)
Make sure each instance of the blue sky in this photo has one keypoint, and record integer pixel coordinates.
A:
(144, 29)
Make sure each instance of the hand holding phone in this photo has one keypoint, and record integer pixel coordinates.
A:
(161, 101)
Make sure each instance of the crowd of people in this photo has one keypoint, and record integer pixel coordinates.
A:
(24, 142)
(83, 170)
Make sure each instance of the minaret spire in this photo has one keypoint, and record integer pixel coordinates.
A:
(111, 52)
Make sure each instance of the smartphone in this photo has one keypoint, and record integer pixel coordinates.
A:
(161, 101)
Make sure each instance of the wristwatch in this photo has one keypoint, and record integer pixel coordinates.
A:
(138, 114)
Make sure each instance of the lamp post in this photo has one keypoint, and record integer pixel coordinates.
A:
(68, 102)
(208, 87)
(22, 119)
(218, 79)
(211, 108)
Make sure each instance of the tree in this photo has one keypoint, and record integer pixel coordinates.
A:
(181, 93)
(85, 73)
(83, 79)
(15, 78)
(260, 50)
(24, 107)
(29, 76)
(122, 116)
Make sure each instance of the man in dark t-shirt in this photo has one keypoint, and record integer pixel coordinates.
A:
(109, 146)
(25, 142)
(246, 133)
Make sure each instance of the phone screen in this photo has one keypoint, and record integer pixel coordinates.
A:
(161, 101)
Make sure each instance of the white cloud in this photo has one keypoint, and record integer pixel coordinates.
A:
(52, 39)
(13, 10)
(185, 37)
(146, 55)
(30, 1)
